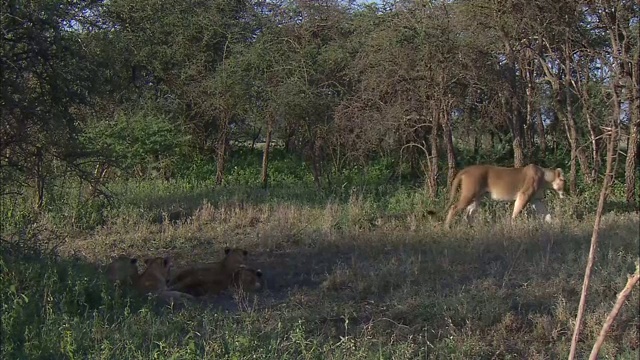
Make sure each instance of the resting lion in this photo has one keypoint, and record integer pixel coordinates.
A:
(217, 277)
(122, 269)
(153, 279)
(524, 185)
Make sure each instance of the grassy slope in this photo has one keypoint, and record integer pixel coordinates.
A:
(356, 279)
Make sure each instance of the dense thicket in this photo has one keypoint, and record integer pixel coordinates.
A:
(138, 88)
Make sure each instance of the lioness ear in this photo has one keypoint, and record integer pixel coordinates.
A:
(134, 261)
(167, 261)
(259, 273)
(245, 252)
(226, 250)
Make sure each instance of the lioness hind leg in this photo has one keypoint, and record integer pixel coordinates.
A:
(470, 211)
(541, 209)
(463, 203)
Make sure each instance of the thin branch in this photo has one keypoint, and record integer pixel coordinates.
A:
(622, 297)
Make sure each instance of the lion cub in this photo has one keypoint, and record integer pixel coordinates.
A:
(247, 279)
(122, 269)
(217, 277)
(153, 279)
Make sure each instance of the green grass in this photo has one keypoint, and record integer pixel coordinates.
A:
(359, 275)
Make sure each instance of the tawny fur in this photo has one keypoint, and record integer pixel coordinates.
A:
(522, 185)
(247, 279)
(152, 281)
(212, 278)
(154, 278)
(122, 269)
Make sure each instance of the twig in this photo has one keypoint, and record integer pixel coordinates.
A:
(622, 297)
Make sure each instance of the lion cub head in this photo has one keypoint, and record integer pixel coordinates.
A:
(234, 258)
(247, 279)
(122, 269)
(156, 274)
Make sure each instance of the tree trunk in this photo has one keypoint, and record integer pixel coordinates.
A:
(265, 156)
(476, 146)
(529, 119)
(431, 171)
(516, 123)
(595, 148)
(315, 149)
(631, 165)
(542, 140)
(571, 131)
(221, 151)
(255, 138)
(39, 175)
(448, 140)
(572, 136)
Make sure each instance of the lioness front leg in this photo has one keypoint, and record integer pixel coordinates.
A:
(521, 201)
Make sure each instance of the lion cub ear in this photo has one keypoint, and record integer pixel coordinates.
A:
(559, 173)
(259, 273)
(227, 250)
(134, 261)
(245, 252)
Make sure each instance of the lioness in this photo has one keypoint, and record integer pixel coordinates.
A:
(211, 278)
(504, 184)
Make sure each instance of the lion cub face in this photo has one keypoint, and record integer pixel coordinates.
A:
(159, 266)
(558, 183)
(122, 269)
(234, 258)
(247, 279)
(156, 274)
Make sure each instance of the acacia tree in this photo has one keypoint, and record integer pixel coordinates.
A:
(311, 85)
(47, 79)
(177, 56)
(500, 21)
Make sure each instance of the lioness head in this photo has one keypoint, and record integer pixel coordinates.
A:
(558, 182)
(122, 269)
(247, 279)
(234, 258)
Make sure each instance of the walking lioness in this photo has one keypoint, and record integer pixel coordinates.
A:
(504, 184)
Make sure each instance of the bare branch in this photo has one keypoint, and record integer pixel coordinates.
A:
(622, 297)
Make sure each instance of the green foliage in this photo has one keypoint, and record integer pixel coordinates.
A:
(47, 304)
(139, 141)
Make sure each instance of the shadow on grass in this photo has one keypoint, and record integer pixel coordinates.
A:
(456, 277)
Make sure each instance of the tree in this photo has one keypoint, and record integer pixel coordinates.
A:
(47, 79)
